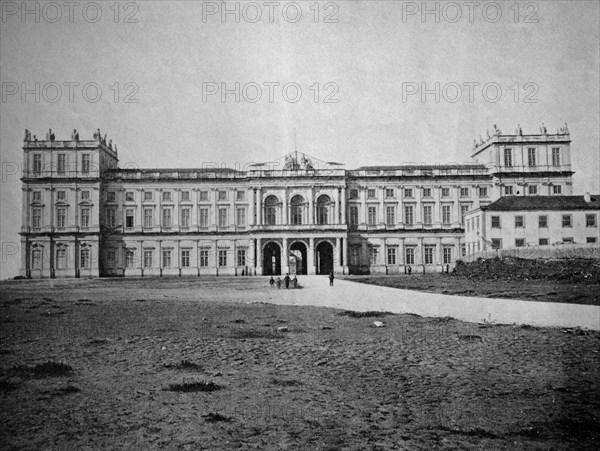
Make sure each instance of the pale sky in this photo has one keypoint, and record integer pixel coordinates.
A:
(549, 53)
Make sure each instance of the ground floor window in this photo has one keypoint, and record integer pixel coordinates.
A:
(496, 243)
(391, 256)
(110, 259)
(222, 258)
(129, 259)
(241, 257)
(447, 254)
(36, 259)
(374, 255)
(61, 258)
(519, 242)
(185, 259)
(148, 258)
(429, 255)
(410, 255)
(204, 258)
(166, 258)
(354, 256)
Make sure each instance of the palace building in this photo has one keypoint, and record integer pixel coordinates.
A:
(83, 216)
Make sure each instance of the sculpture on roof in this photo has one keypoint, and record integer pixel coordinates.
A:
(75, 135)
(306, 163)
(27, 137)
(519, 130)
(497, 131)
(543, 129)
(289, 163)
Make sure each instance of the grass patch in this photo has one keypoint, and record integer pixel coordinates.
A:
(192, 387)
(285, 382)
(184, 365)
(7, 385)
(64, 391)
(256, 333)
(470, 337)
(216, 417)
(42, 370)
(370, 314)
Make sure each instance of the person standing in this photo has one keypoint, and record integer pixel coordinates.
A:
(287, 279)
(279, 282)
(272, 282)
(295, 282)
(331, 278)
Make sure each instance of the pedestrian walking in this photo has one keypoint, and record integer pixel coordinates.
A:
(287, 279)
(272, 282)
(279, 282)
(331, 278)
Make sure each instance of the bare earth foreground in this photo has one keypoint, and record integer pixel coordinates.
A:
(201, 364)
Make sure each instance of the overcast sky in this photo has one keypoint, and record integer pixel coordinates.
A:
(157, 65)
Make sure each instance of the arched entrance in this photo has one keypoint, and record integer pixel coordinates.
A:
(298, 258)
(324, 257)
(272, 259)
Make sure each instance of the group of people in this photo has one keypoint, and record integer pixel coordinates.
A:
(286, 280)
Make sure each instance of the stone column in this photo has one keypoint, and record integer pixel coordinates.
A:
(382, 212)
(336, 209)
(337, 263)
(258, 257)
(343, 218)
(346, 256)
(310, 254)
(216, 257)
(259, 208)
(285, 267)
(284, 211)
(311, 207)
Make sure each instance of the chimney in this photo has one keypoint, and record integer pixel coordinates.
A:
(587, 198)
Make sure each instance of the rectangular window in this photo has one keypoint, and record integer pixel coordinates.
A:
(409, 218)
(508, 190)
(147, 195)
(532, 190)
(464, 209)
(483, 191)
(590, 239)
(374, 255)
(241, 257)
(37, 196)
(445, 192)
(408, 193)
(222, 195)
(36, 259)
(166, 258)
(389, 193)
(222, 217)
(464, 192)
(426, 192)
(61, 217)
(111, 196)
(446, 214)
(496, 222)
(556, 156)
(185, 196)
(391, 256)
(519, 221)
(567, 221)
(557, 189)
(241, 217)
(166, 217)
(129, 196)
(37, 164)
(447, 255)
(85, 163)
(371, 193)
(203, 195)
(185, 217)
(590, 220)
(204, 217)
(85, 217)
(519, 242)
(185, 258)
(129, 255)
(496, 243)
(36, 218)
(569, 240)
(61, 165)
(204, 258)
(148, 254)
(166, 196)
(61, 195)
(129, 218)
(543, 221)
(353, 194)
(85, 195)
(409, 254)
(372, 216)
(427, 214)
(354, 256)
(353, 219)
(531, 157)
(61, 258)
(85, 258)
(222, 258)
(148, 217)
(429, 250)
(241, 195)
(390, 215)
(543, 241)
(508, 158)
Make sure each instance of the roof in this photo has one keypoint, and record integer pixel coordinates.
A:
(169, 170)
(517, 203)
(421, 166)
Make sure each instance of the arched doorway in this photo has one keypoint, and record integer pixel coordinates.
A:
(272, 259)
(324, 257)
(298, 258)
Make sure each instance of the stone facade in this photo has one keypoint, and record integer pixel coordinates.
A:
(85, 216)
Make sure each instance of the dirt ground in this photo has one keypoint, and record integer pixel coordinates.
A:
(201, 364)
(527, 290)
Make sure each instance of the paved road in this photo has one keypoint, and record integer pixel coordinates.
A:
(362, 297)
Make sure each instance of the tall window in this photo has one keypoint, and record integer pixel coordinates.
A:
(374, 255)
(222, 258)
(409, 218)
(61, 217)
(323, 203)
(531, 160)
(464, 209)
(372, 216)
(241, 216)
(36, 218)
(61, 258)
(429, 255)
(61, 163)
(427, 214)
(204, 217)
(567, 221)
(426, 192)
(446, 214)
(391, 256)
(166, 258)
(447, 254)
(409, 254)
(353, 219)
(129, 218)
(241, 257)
(464, 192)
(185, 258)
(508, 158)
(185, 217)
(204, 258)
(166, 217)
(85, 258)
(85, 163)
(85, 217)
(354, 256)
(590, 220)
(36, 259)
(408, 192)
(543, 221)
(222, 217)
(148, 217)
(532, 190)
(297, 205)
(129, 258)
(496, 222)
(483, 191)
(37, 164)
(390, 215)
(271, 210)
(556, 156)
(148, 258)
(556, 189)
(519, 221)
(508, 190)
